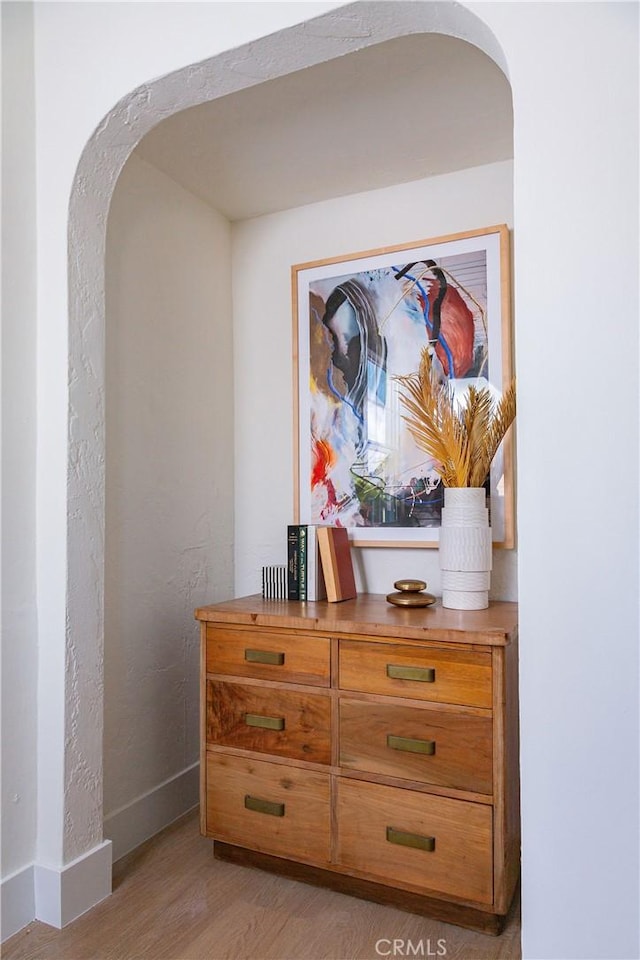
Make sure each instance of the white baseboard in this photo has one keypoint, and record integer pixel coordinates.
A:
(63, 894)
(18, 905)
(147, 815)
(59, 895)
(56, 895)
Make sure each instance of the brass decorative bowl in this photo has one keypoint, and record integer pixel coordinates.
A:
(411, 593)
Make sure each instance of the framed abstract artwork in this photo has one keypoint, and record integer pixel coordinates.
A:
(360, 322)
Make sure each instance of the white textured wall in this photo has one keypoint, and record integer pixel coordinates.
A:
(19, 626)
(91, 58)
(263, 251)
(169, 474)
(577, 309)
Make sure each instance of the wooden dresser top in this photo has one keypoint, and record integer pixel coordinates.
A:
(371, 614)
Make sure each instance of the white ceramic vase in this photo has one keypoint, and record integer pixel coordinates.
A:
(465, 549)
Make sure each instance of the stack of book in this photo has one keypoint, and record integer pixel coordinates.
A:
(319, 565)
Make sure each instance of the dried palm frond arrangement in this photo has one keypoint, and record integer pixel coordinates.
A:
(462, 439)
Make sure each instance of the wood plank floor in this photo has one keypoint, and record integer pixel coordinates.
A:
(173, 901)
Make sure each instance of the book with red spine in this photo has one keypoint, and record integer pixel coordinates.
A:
(337, 565)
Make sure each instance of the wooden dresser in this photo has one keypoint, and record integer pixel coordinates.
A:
(366, 747)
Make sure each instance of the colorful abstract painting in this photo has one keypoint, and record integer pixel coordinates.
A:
(361, 322)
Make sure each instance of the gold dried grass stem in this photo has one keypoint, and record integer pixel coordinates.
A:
(462, 441)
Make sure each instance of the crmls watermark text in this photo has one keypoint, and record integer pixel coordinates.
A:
(411, 948)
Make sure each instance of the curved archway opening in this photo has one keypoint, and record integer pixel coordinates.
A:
(402, 139)
(99, 169)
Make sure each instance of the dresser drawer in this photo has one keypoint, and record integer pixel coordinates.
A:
(268, 656)
(422, 673)
(282, 722)
(431, 843)
(269, 807)
(444, 747)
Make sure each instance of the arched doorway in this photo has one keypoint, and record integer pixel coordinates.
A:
(405, 137)
(97, 174)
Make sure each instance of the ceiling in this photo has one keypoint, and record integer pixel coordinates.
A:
(399, 111)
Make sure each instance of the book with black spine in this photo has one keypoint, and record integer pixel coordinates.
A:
(293, 561)
(302, 563)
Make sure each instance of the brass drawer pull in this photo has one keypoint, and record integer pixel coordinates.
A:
(410, 745)
(264, 656)
(267, 723)
(264, 806)
(424, 674)
(411, 840)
